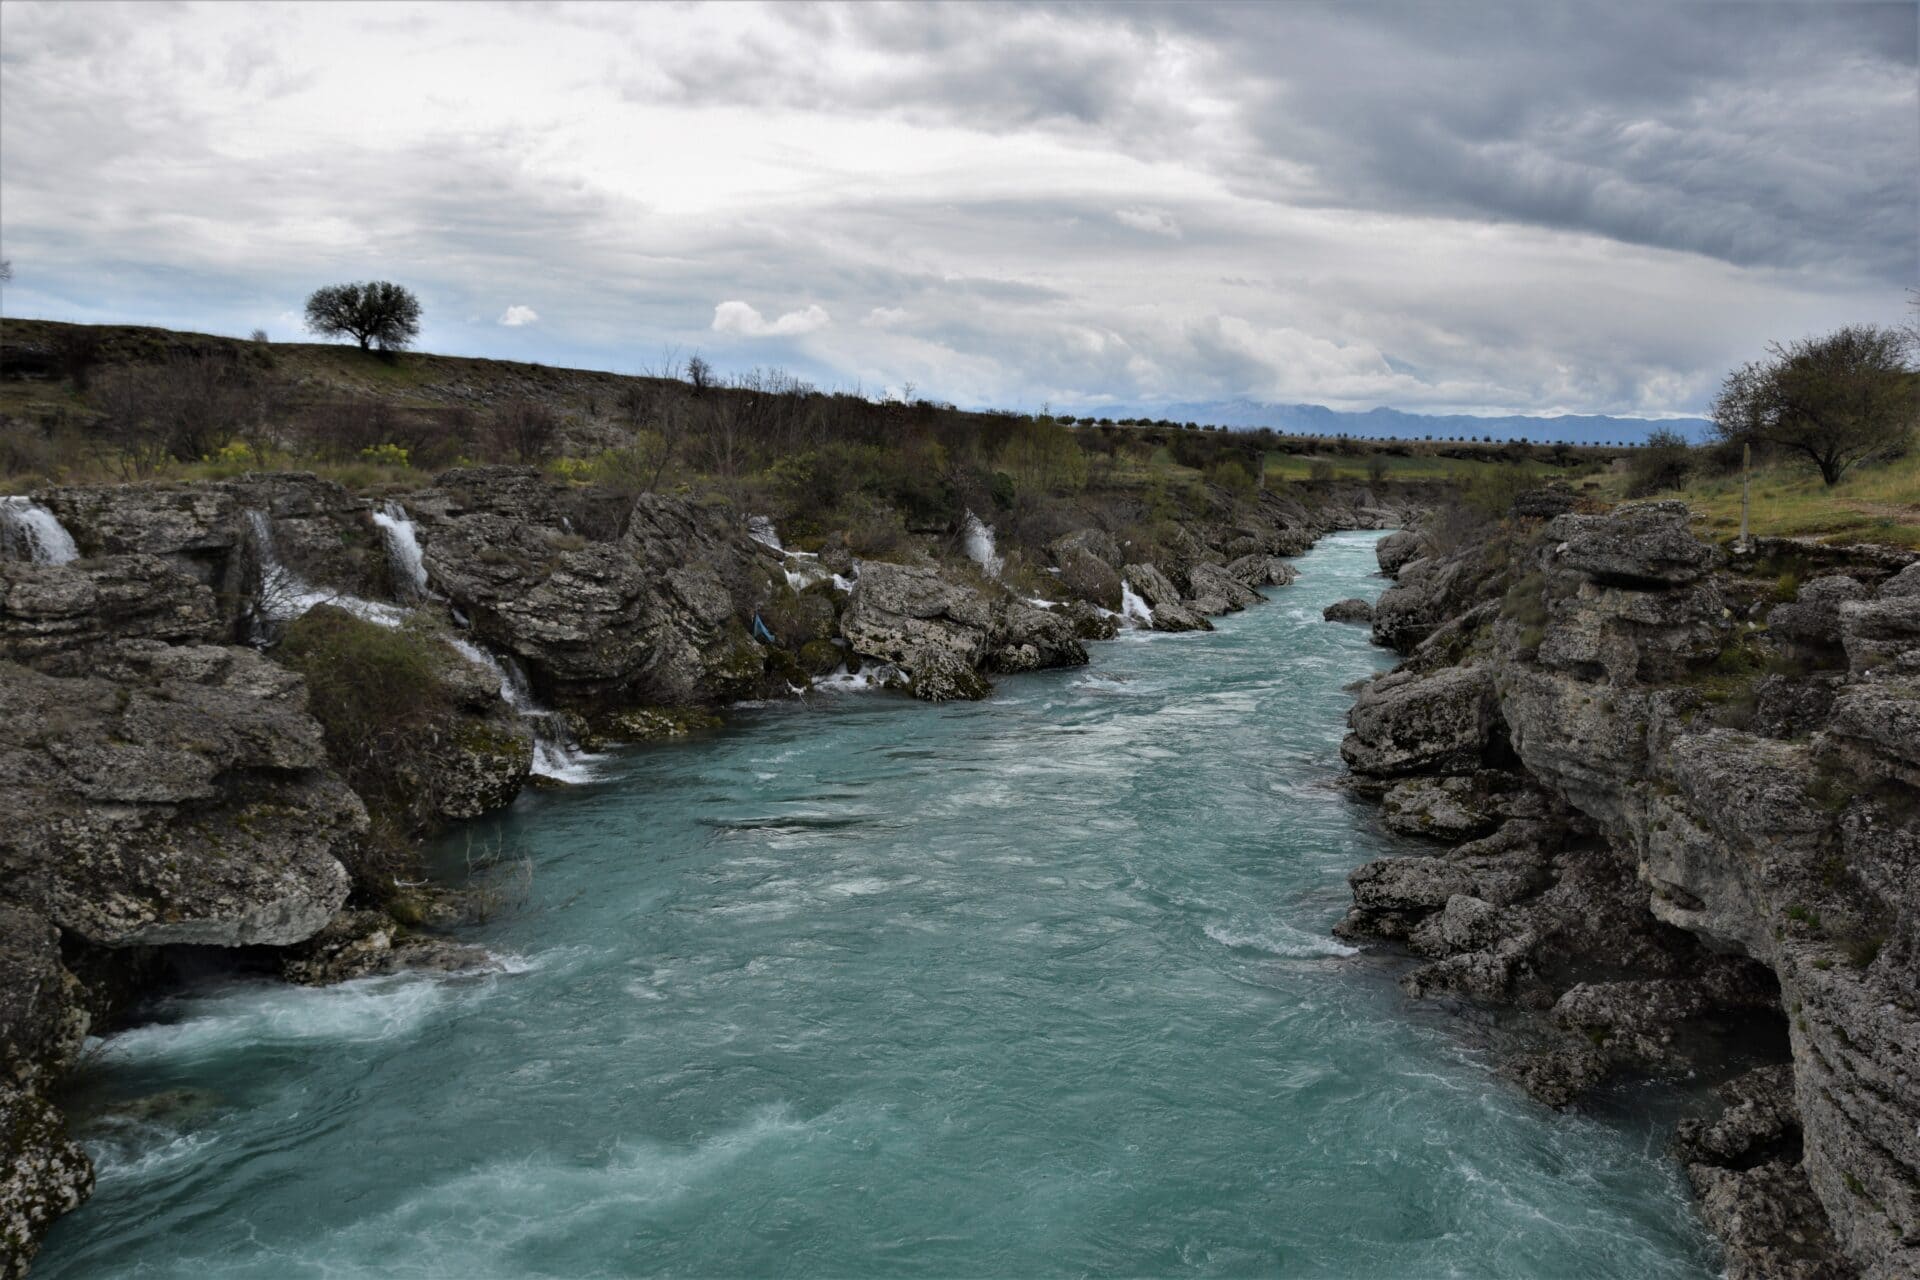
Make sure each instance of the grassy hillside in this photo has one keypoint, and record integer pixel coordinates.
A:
(92, 403)
(1870, 504)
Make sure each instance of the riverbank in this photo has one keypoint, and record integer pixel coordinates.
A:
(1670, 794)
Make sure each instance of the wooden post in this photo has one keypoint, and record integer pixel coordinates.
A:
(1746, 490)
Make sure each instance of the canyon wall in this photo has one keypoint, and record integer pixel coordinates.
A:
(1674, 799)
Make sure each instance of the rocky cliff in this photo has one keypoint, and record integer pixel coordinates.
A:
(1674, 803)
(232, 712)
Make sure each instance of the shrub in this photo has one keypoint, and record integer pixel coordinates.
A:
(1663, 462)
(1232, 477)
(386, 455)
(1320, 471)
(382, 699)
(525, 430)
(1043, 457)
(1490, 491)
(186, 409)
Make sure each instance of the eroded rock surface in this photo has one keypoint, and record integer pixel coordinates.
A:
(1730, 848)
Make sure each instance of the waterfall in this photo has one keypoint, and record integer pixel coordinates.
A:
(555, 754)
(28, 531)
(803, 568)
(285, 595)
(761, 530)
(1132, 607)
(978, 536)
(403, 549)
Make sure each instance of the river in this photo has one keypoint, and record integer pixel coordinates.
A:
(1036, 986)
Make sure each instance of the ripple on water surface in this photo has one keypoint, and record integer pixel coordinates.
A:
(1041, 985)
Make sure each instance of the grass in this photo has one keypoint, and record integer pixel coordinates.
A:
(1870, 504)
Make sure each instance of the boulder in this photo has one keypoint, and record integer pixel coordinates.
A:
(1902, 584)
(43, 1174)
(938, 676)
(362, 944)
(647, 608)
(1397, 550)
(912, 616)
(1026, 637)
(47, 609)
(1166, 610)
(172, 795)
(1638, 545)
(1089, 621)
(1881, 637)
(1352, 609)
(1813, 619)
(1262, 571)
(1428, 594)
(1416, 885)
(1177, 617)
(1089, 561)
(1151, 585)
(1451, 809)
(1407, 723)
(1215, 590)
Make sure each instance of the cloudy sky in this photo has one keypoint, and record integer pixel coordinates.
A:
(1461, 207)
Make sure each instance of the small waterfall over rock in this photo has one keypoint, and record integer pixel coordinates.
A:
(761, 530)
(403, 549)
(284, 595)
(1133, 608)
(803, 568)
(28, 531)
(978, 537)
(555, 753)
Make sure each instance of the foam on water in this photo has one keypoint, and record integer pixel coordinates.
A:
(252, 1014)
(1279, 940)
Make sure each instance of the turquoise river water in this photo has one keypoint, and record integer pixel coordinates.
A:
(1036, 986)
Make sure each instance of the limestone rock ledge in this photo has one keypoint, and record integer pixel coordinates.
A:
(1713, 851)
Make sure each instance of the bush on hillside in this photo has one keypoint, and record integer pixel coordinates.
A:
(382, 699)
(1664, 461)
(186, 409)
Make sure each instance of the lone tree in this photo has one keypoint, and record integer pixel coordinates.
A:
(1841, 400)
(378, 313)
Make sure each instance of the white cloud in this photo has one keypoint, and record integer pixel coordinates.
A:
(740, 318)
(515, 316)
(886, 317)
(1153, 221)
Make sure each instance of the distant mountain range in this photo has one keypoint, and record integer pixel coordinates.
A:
(1392, 424)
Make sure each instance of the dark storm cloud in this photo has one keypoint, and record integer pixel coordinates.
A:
(1769, 135)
